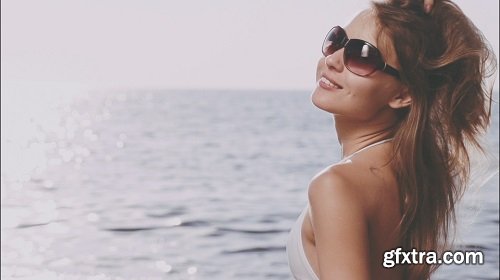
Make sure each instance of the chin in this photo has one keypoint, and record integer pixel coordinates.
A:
(321, 100)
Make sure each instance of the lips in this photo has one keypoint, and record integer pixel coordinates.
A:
(329, 83)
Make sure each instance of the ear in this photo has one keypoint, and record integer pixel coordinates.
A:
(401, 99)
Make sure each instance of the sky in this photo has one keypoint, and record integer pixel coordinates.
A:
(188, 44)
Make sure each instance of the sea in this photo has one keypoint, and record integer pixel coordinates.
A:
(179, 184)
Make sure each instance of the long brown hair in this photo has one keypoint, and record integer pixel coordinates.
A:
(445, 61)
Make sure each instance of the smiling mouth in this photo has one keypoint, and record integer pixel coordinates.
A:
(329, 83)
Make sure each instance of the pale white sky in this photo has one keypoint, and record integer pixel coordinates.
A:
(217, 44)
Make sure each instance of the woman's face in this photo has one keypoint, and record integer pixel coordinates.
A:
(360, 98)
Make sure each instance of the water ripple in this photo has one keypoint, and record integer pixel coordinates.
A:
(250, 231)
(255, 250)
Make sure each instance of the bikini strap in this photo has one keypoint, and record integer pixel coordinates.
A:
(369, 146)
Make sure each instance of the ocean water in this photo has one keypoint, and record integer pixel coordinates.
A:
(176, 184)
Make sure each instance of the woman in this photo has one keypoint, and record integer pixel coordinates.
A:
(407, 93)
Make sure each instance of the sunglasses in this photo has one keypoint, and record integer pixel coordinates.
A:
(360, 57)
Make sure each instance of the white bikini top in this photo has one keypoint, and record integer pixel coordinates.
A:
(297, 259)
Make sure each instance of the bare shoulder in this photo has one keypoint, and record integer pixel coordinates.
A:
(340, 225)
(340, 184)
(366, 180)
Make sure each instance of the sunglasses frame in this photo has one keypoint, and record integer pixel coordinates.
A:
(381, 65)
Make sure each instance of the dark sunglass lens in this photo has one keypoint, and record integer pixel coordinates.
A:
(361, 58)
(333, 41)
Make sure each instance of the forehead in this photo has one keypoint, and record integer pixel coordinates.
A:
(363, 26)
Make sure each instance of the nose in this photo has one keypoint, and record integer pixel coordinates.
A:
(335, 61)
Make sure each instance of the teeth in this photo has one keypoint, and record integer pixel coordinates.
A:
(326, 81)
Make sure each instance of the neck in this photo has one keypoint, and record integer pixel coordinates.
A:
(354, 135)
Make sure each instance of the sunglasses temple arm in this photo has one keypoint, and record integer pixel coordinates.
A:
(390, 70)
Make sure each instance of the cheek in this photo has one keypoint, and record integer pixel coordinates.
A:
(367, 98)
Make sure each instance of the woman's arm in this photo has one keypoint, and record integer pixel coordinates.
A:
(340, 228)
